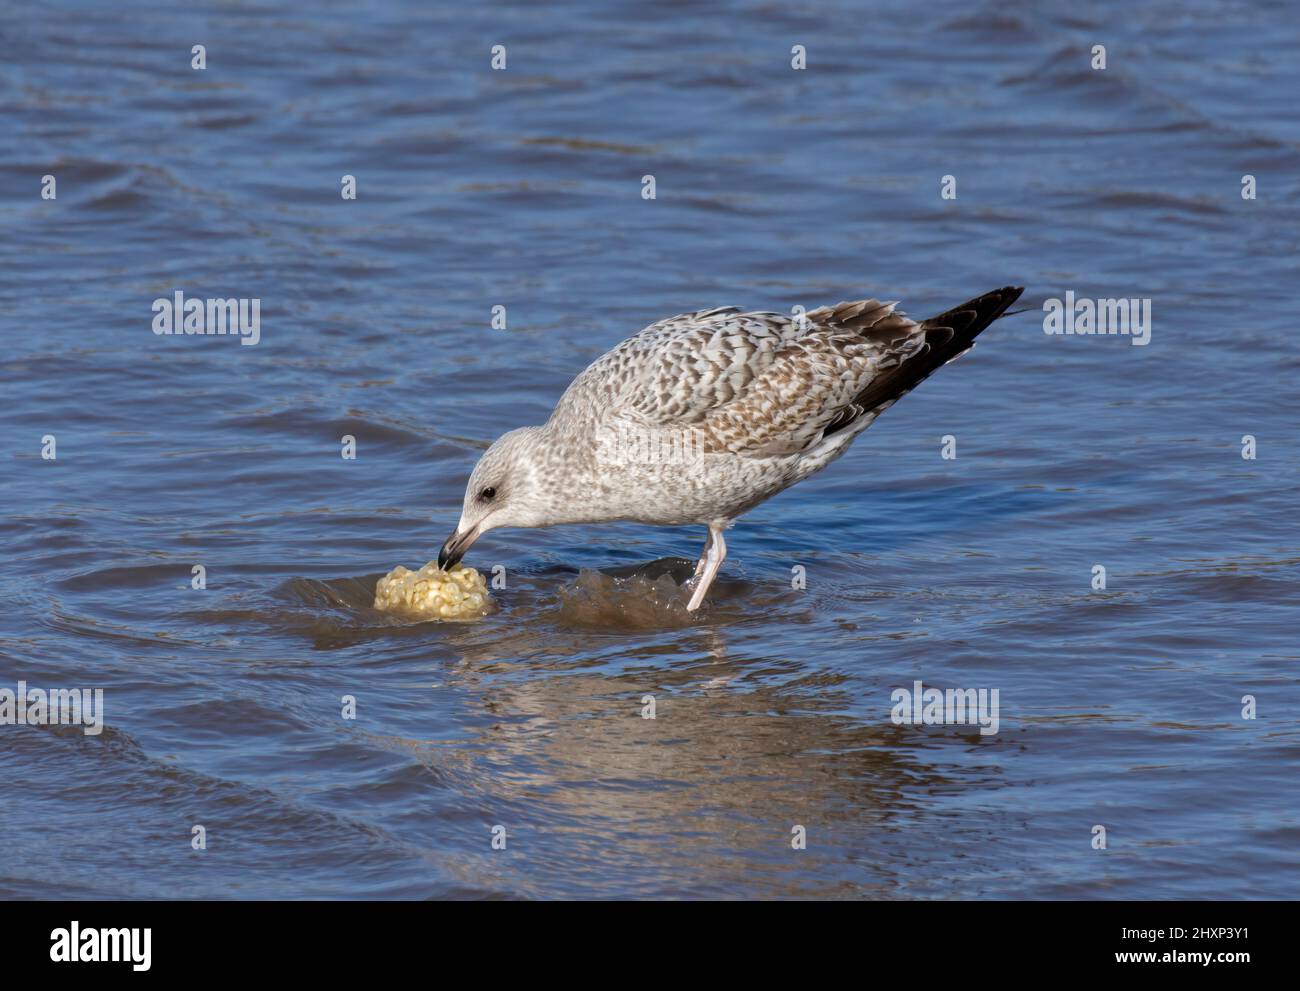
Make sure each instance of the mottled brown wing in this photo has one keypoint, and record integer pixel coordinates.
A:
(678, 369)
(811, 384)
(747, 383)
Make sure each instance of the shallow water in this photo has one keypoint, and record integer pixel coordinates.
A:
(522, 188)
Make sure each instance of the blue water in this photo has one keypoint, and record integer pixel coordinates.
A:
(521, 188)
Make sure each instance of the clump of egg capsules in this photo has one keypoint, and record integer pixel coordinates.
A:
(432, 593)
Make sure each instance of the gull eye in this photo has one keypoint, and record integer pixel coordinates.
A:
(488, 494)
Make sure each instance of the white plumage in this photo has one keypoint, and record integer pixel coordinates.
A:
(700, 417)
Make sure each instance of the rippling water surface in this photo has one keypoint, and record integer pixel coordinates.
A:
(522, 188)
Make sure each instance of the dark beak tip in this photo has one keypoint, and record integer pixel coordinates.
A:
(455, 547)
(449, 556)
(452, 551)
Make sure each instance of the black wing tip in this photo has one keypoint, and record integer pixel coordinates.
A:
(1006, 295)
(974, 315)
(946, 336)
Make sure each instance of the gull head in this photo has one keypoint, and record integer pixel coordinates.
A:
(510, 486)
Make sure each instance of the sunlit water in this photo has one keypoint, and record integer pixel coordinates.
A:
(522, 188)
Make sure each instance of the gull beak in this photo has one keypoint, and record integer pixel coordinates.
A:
(455, 547)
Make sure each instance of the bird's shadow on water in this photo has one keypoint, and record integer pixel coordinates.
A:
(647, 596)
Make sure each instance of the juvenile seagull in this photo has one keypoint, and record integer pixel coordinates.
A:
(700, 417)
